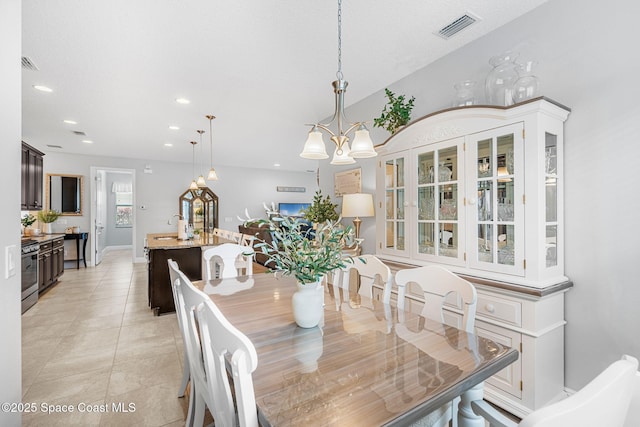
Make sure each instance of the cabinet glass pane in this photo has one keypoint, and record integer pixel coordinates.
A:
(485, 206)
(400, 244)
(400, 206)
(389, 174)
(389, 204)
(551, 199)
(400, 171)
(448, 201)
(485, 242)
(390, 235)
(449, 240)
(506, 244)
(448, 164)
(550, 154)
(426, 169)
(505, 199)
(485, 158)
(551, 245)
(426, 237)
(426, 203)
(505, 155)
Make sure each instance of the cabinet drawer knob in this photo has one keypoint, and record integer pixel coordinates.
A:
(490, 308)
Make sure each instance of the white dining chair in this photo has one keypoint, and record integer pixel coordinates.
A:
(222, 342)
(370, 269)
(603, 402)
(227, 260)
(436, 284)
(174, 277)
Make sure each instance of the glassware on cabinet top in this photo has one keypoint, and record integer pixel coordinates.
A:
(465, 93)
(526, 87)
(501, 79)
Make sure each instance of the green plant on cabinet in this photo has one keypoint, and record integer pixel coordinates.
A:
(396, 113)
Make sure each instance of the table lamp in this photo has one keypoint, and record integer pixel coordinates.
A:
(357, 205)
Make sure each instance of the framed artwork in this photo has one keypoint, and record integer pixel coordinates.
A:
(347, 182)
(124, 216)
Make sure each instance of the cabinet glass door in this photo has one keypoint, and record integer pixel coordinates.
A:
(395, 170)
(437, 198)
(498, 173)
(551, 199)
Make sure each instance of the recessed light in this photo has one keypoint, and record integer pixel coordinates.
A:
(86, 141)
(70, 122)
(182, 100)
(276, 165)
(174, 127)
(168, 144)
(42, 88)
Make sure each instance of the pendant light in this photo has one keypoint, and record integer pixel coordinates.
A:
(194, 184)
(362, 146)
(201, 182)
(213, 176)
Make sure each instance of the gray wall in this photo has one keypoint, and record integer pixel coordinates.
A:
(10, 131)
(588, 60)
(156, 194)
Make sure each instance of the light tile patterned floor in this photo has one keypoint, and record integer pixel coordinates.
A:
(92, 340)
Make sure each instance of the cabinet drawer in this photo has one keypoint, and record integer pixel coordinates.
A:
(58, 243)
(46, 246)
(499, 309)
(509, 380)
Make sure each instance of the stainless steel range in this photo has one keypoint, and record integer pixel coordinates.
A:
(29, 263)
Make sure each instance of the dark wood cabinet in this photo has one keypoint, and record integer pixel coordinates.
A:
(160, 294)
(32, 175)
(50, 263)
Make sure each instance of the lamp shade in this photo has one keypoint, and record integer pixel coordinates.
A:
(345, 158)
(213, 176)
(357, 205)
(362, 146)
(314, 147)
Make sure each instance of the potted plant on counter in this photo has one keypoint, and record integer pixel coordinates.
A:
(27, 221)
(47, 217)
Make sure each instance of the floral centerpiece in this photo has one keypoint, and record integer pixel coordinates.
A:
(27, 221)
(294, 252)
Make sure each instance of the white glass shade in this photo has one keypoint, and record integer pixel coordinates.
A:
(314, 147)
(194, 185)
(213, 176)
(357, 205)
(201, 182)
(362, 146)
(345, 158)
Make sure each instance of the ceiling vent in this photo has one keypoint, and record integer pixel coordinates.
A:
(28, 64)
(457, 25)
(54, 146)
(79, 133)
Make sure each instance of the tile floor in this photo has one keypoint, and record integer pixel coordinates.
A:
(92, 340)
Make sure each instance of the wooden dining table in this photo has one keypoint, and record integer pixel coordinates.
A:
(366, 364)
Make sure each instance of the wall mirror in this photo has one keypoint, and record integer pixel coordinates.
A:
(64, 193)
(200, 208)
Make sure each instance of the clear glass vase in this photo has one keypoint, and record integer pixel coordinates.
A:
(526, 87)
(501, 79)
(465, 93)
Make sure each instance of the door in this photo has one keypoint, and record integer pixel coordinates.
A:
(101, 201)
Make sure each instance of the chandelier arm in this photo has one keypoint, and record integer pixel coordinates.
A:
(354, 126)
(325, 128)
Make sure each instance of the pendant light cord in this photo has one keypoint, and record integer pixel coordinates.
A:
(339, 73)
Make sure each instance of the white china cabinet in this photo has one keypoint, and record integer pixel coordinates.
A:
(479, 190)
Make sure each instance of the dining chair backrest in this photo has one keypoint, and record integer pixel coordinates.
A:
(229, 257)
(436, 284)
(174, 276)
(369, 269)
(602, 402)
(222, 342)
(633, 415)
(189, 298)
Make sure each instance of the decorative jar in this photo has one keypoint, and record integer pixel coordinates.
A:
(526, 87)
(501, 79)
(465, 93)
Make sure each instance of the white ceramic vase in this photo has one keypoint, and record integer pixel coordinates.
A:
(46, 228)
(307, 305)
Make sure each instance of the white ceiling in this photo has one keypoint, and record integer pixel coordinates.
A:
(263, 67)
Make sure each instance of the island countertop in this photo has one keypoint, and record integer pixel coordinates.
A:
(170, 241)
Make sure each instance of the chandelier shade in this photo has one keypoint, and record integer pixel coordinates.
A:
(212, 175)
(314, 147)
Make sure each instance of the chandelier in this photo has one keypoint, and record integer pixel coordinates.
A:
(194, 183)
(362, 146)
(212, 176)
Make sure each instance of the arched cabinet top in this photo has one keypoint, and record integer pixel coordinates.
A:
(459, 121)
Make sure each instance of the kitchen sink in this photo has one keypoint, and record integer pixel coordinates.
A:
(164, 238)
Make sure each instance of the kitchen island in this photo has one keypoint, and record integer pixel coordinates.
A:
(161, 247)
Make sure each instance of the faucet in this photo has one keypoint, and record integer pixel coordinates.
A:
(176, 215)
